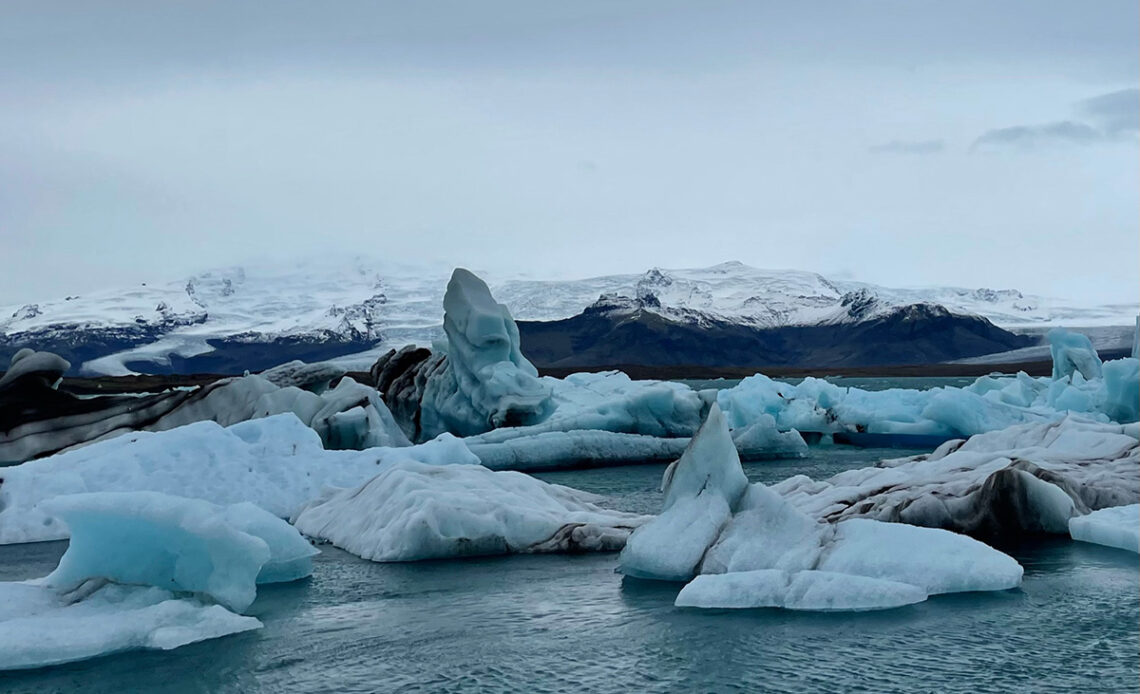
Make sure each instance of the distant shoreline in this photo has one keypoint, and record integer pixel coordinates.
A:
(109, 385)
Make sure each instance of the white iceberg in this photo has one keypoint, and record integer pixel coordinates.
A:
(701, 490)
(412, 511)
(39, 627)
(1118, 527)
(752, 548)
(1027, 479)
(817, 591)
(276, 462)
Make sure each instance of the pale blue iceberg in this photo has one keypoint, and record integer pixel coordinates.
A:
(1118, 527)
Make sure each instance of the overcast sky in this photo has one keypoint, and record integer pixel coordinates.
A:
(904, 143)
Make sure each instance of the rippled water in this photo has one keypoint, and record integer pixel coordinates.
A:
(569, 623)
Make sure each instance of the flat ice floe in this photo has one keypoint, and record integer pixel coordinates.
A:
(411, 511)
(1030, 478)
(1118, 527)
(744, 545)
(146, 570)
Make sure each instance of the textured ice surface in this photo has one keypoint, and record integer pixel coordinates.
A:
(39, 627)
(277, 463)
(701, 490)
(989, 404)
(141, 571)
(1025, 479)
(1073, 353)
(184, 545)
(1122, 389)
(938, 561)
(47, 421)
(27, 362)
(411, 511)
(486, 382)
(1118, 527)
(819, 591)
(550, 450)
(312, 377)
(765, 552)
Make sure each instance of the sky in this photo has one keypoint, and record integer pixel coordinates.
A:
(900, 142)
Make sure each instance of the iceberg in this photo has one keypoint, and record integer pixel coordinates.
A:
(39, 627)
(1122, 389)
(1118, 527)
(276, 462)
(183, 545)
(743, 546)
(29, 365)
(817, 591)
(41, 420)
(555, 450)
(485, 382)
(1073, 353)
(146, 570)
(1080, 385)
(412, 511)
(1002, 485)
(701, 490)
(314, 378)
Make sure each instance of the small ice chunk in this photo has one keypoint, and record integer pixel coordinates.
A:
(1118, 527)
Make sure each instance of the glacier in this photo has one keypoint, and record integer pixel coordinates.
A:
(743, 545)
(145, 570)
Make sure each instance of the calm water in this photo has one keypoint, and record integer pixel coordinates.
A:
(569, 623)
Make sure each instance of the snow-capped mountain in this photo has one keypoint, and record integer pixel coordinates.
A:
(328, 309)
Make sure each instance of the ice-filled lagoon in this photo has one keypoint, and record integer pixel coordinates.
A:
(569, 623)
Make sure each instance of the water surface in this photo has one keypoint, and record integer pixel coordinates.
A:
(569, 623)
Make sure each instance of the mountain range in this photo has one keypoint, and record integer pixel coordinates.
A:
(248, 318)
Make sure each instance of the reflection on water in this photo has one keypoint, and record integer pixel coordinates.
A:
(569, 623)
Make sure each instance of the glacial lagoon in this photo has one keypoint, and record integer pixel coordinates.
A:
(569, 623)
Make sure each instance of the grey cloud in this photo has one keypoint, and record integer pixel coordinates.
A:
(909, 147)
(1066, 131)
(1106, 118)
(1116, 112)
